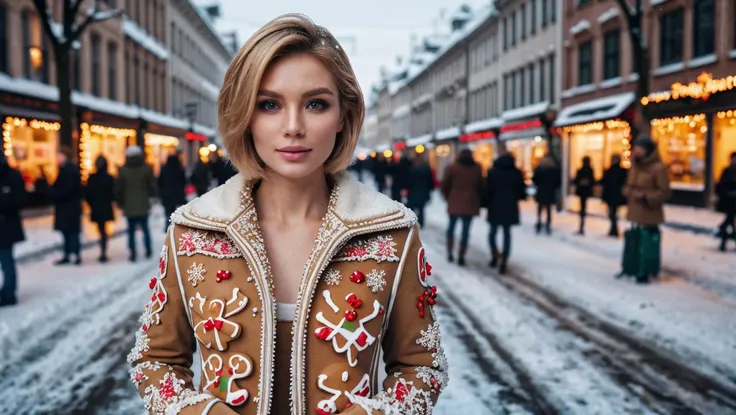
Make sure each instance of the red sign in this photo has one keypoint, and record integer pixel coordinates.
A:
(524, 125)
(190, 136)
(399, 145)
(482, 135)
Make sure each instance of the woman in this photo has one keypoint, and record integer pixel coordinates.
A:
(421, 184)
(233, 274)
(66, 193)
(504, 189)
(726, 191)
(462, 187)
(612, 184)
(584, 182)
(547, 181)
(100, 194)
(171, 183)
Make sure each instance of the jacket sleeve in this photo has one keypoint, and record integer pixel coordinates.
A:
(656, 197)
(162, 355)
(446, 183)
(415, 361)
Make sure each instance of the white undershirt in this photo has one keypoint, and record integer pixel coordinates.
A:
(285, 312)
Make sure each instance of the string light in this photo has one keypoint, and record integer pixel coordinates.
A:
(15, 122)
(388, 153)
(160, 140)
(419, 149)
(702, 89)
(594, 126)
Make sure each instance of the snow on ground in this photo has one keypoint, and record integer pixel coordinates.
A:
(674, 314)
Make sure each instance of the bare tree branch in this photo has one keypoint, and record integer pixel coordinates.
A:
(75, 9)
(626, 8)
(45, 17)
(94, 16)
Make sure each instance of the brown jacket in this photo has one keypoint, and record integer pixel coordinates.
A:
(649, 180)
(365, 291)
(462, 187)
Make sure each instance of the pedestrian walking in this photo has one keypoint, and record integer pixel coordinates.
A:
(360, 249)
(584, 183)
(726, 191)
(67, 194)
(100, 195)
(612, 185)
(221, 169)
(421, 184)
(380, 170)
(135, 187)
(547, 181)
(201, 178)
(505, 188)
(172, 181)
(12, 199)
(462, 187)
(399, 172)
(647, 189)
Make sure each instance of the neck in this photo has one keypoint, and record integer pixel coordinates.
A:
(290, 202)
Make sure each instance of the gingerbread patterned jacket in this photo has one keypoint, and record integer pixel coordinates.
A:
(366, 295)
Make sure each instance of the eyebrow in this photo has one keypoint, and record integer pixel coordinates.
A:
(311, 93)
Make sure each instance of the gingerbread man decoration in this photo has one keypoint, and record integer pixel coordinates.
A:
(214, 325)
(334, 404)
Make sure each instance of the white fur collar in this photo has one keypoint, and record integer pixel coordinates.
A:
(356, 204)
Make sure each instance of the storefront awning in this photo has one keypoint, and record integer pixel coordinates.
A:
(447, 133)
(600, 109)
(483, 125)
(530, 111)
(422, 139)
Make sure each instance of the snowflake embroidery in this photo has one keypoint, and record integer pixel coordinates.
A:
(141, 345)
(332, 277)
(380, 248)
(435, 379)
(170, 397)
(216, 245)
(136, 373)
(196, 273)
(376, 280)
(403, 399)
(430, 340)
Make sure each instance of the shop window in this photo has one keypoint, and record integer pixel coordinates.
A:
(611, 54)
(533, 17)
(724, 131)
(681, 143)
(670, 37)
(95, 56)
(34, 58)
(598, 144)
(112, 71)
(33, 146)
(704, 28)
(585, 63)
(3, 40)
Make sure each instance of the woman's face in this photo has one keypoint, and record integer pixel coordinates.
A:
(297, 117)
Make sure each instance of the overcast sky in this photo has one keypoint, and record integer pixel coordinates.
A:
(373, 32)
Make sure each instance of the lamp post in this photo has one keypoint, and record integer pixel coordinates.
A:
(190, 108)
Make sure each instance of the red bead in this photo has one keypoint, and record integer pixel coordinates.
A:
(431, 301)
(420, 305)
(434, 289)
(429, 269)
(322, 333)
(351, 315)
(421, 298)
(357, 277)
(152, 283)
(421, 313)
(362, 339)
(426, 293)
(380, 310)
(162, 297)
(144, 328)
(223, 274)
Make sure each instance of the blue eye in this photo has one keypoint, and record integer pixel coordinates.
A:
(317, 105)
(268, 105)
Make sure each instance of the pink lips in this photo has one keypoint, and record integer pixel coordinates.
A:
(294, 153)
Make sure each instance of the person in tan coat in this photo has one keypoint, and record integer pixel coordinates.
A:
(293, 278)
(462, 187)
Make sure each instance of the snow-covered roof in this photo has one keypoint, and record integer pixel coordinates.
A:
(422, 139)
(525, 112)
(462, 12)
(141, 37)
(448, 133)
(105, 105)
(401, 111)
(595, 110)
(483, 125)
(27, 87)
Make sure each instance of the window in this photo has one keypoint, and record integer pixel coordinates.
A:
(513, 90)
(583, 2)
(95, 55)
(513, 29)
(542, 81)
(136, 82)
(553, 11)
(670, 37)
(530, 71)
(112, 71)
(505, 34)
(683, 149)
(145, 101)
(522, 82)
(533, 17)
(173, 38)
(154, 92)
(523, 21)
(704, 28)
(545, 4)
(552, 78)
(76, 56)
(34, 59)
(3, 40)
(611, 53)
(585, 63)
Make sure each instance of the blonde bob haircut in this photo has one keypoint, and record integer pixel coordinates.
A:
(284, 35)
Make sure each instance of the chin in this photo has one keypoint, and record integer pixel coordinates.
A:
(296, 171)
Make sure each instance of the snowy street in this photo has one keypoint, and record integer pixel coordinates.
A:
(556, 335)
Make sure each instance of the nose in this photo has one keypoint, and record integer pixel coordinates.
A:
(294, 122)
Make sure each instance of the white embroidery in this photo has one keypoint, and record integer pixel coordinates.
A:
(141, 345)
(196, 273)
(329, 406)
(355, 335)
(430, 340)
(379, 248)
(136, 373)
(435, 379)
(216, 245)
(332, 277)
(215, 324)
(402, 399)
(376, 280)
(170, 397)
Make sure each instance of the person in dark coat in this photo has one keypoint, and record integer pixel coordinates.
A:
(612, 183)
(547, 180)
(221, 169)
(41, 189)
(100, 195)
(421, 184)
(505, 188)
(12, 199)
(584, 182)
(380, 169)
(135, 187)
(726, 191)
(399, 172)
(172, 181)
(67, 194)
(201, 178)
(462, 187)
